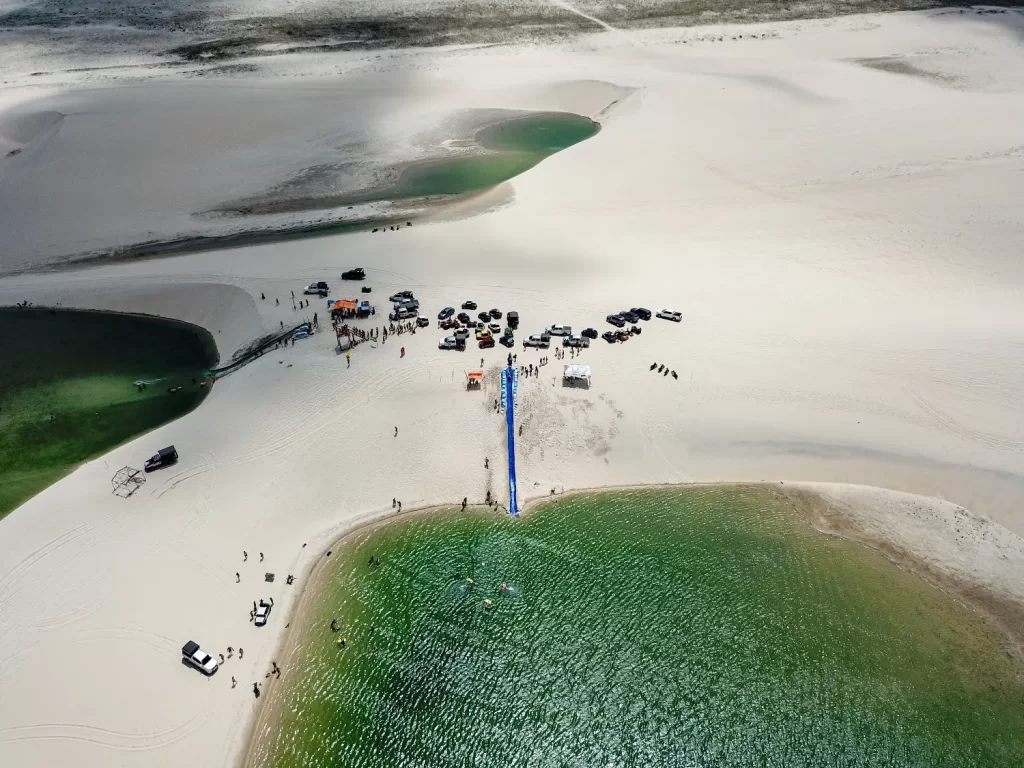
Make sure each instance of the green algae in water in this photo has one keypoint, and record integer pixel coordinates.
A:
(704, 626)
(80, 367)
(516, 145)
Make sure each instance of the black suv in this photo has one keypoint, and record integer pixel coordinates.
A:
(469, 305)
(643, 314)
(629, 317)
(354, 274)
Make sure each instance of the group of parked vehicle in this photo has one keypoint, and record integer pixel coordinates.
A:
(485, 328)
(406, 306)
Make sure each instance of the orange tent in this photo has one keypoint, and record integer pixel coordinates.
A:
(474, 378)
(345, 304)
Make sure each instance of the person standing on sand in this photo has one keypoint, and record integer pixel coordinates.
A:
(241, 652)
(233, 682)
(399, 507)
(256, 690)
(263, 296)
(245, 555)
(464, 501)
(396, 431)
(238, 579)
(261, 557)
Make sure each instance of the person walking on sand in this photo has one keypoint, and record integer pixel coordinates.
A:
(261, 557)
(241, 652)
(233, 682)
(396, 431)
(238, 579)
(464, 501)
(263, 296)
(256, 690)
(399, 506)
(245, 555)
(486, 463)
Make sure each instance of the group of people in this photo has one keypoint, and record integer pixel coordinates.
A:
(663, 369)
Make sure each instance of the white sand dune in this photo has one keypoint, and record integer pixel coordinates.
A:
(842, 238)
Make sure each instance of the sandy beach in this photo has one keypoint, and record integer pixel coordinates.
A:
(830, 204)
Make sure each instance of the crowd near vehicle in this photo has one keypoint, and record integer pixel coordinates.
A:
(192, 654)
(537, 341)
(445, 313)
(162, 458)
(263, 613)
(469, 305)
(668, 314)
(559, 330)
(354, 274)
(617, 320)
(320, 288)
(590, 333)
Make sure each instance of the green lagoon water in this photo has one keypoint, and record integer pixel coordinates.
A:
(80, 367)
(515, 146)
(692, 627)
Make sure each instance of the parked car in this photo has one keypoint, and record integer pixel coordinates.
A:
(486, 342)
(617, 320)
(449, 324)
(494, 327)
(507, 340)
(162, 458)
(403, 314)
(482, 333)
(668, 314)
(469, 305)
(559, 330)
(512, 318)
(319, 288)
(495, 314)
(643, 314)
(537, 341)
(412, 303)
(354, 274)
(422, 322)
(590, 333)
(445, 313)
(575, 341)
(485, 317)
(448, 342)
(398, 296)
(192, 654)
(263, 612)
(461, 333)
(629, 316)
(463, 318)
(610, 336)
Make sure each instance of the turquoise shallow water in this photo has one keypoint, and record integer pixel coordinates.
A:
(704, 626)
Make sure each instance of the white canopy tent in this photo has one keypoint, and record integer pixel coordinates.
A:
(577, 373)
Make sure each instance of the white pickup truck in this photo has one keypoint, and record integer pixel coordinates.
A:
(192, 654)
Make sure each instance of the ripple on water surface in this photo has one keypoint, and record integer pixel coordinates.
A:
(701, 626)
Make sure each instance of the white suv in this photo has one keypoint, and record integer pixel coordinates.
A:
(560, 330)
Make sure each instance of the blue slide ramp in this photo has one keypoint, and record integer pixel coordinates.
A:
(509, 388)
